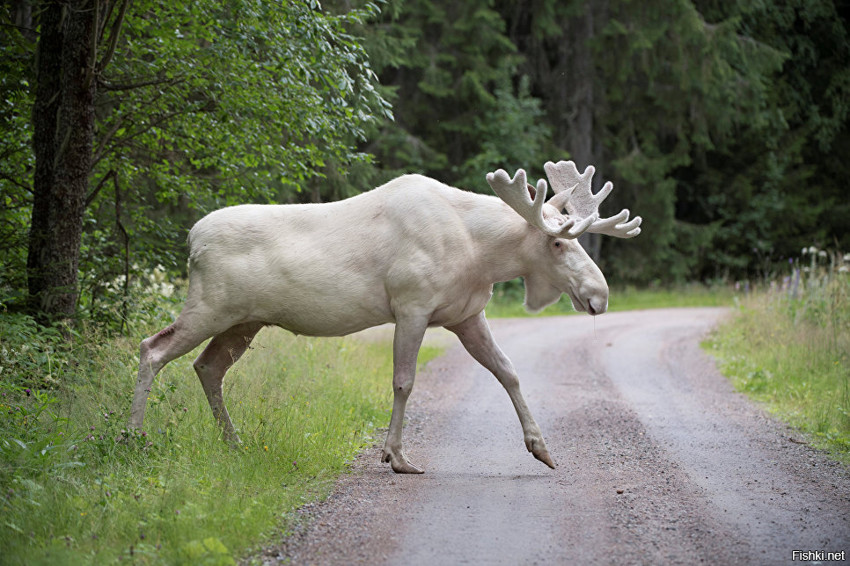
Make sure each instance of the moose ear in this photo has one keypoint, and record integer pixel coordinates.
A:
(532, 192)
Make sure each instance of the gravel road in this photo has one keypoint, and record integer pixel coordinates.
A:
(659, 462)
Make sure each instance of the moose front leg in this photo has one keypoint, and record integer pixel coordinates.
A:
(406, 342)
(474, 333)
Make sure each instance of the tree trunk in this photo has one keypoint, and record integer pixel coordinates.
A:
(578, 134)
(561, 64)
(63, 133)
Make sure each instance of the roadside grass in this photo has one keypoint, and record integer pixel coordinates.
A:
(508, 298)
(77, 488)
(788, 347)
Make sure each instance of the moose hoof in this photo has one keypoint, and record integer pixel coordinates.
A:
(543, 456)
(400, 464)
(538, 450)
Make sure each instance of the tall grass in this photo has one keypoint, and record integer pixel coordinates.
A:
(76, 487)
(788, 346)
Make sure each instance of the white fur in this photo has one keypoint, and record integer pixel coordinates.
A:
(413, 251)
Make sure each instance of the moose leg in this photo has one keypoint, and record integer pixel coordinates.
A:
(474, 333)
(222, 352)
(406, 343)
(155, 352)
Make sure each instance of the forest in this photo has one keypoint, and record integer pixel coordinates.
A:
(723, 124)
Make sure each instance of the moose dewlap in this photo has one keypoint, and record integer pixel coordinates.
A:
(414, 252)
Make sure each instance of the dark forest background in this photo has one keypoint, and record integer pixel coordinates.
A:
(723, 124)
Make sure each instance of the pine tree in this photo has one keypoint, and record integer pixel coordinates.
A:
(460, 107)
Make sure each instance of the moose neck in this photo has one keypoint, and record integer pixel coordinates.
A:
(506, 242)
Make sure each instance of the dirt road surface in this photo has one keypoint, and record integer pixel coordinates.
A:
(659, 462)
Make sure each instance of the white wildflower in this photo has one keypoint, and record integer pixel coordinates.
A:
(166, 289)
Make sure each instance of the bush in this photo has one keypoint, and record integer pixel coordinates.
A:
(31, 355)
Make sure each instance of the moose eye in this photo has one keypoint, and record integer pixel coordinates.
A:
(557, 244)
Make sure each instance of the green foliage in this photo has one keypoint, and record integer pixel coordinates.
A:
(788, 346)
(76, 486)
(203, 105)
(32, 355)
(698, 85)
(772, 187)
(514, 131)
(16, 158)
(461, 107)
(153, 296)
(242, 95)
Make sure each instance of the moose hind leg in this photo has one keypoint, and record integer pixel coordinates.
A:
(154, 353)
(222, 352)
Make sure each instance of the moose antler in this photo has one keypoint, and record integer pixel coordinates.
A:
(573, 192)
(517, 194)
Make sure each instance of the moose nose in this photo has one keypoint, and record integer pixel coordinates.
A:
(593, 293)
(595, 306)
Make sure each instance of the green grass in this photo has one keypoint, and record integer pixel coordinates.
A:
(76, 488)
(507, 300)
(793, 355)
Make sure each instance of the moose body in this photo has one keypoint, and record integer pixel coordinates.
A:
(414, 252)
(336, 268)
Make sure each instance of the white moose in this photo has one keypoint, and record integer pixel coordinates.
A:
(414, 252)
